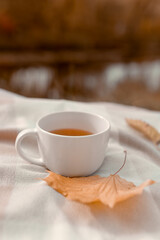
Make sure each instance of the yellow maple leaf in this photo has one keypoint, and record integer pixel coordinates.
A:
(146, 129)
(108, 190)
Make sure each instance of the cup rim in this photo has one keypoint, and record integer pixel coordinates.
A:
(74, 112)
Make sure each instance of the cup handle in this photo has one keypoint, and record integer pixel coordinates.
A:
(19, 143)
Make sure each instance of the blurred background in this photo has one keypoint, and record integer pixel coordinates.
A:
(87, 50)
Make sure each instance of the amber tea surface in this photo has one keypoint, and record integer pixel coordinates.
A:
(71, 132)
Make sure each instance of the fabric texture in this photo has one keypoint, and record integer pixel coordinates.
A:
(30, 209)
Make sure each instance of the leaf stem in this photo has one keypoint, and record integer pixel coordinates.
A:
(125, 157)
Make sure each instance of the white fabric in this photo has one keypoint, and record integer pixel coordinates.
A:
(29, 209)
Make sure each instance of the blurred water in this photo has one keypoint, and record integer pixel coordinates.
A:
(147, 72)
(37, 79)
(40, 79)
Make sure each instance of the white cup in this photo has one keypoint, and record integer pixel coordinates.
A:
(67, 155)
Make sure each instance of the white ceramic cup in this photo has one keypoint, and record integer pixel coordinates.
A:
(67, 155)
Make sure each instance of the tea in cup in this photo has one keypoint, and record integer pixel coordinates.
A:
(70, 143)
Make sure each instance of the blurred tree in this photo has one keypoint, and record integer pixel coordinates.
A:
(132, 26)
